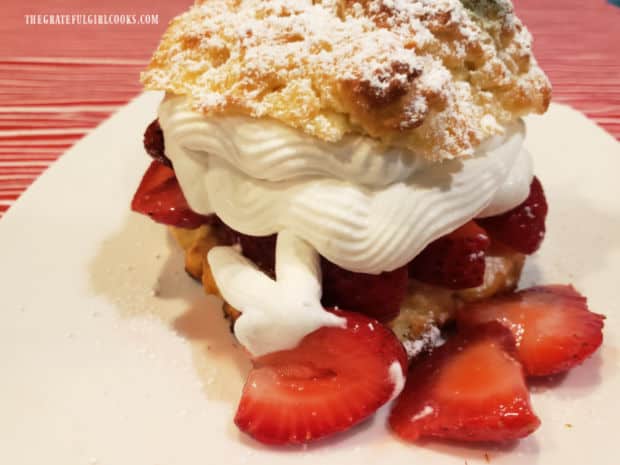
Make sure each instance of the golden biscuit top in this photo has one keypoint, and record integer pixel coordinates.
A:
(433, 76)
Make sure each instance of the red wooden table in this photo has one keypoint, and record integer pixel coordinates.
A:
(60, 81)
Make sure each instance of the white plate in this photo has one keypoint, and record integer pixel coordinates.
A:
(111, 355)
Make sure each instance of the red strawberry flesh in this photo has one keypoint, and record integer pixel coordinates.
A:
(552, 325)
(261, 250)
(470, 389)
(335, 378)
(154, 143)
(523, 227)
(378, 296)
(160, 197)
(455, 261)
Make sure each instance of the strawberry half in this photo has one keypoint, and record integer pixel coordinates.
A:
(552, 325)
(154, 143)
(333, 379)
(470, 389)
(455, 261)
(378, 296)
(160, 197)
(523, 227)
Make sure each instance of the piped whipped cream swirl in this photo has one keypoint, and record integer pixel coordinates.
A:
(364, 207)
(268, 150)
(276, 314)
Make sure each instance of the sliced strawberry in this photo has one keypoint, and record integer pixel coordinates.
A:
(332, 380)
(469, 389)
(160, 197)
(552, 325)
(523, 227)
(455, 261)
(378, 296)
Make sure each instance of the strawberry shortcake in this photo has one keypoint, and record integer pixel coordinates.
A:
(350, 178)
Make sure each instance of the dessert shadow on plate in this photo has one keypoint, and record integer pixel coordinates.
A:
(139, 271)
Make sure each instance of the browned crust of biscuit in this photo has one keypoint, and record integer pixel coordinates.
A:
(427, 305)
(435, 77)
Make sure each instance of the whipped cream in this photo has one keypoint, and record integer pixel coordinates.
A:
(276, 314)
(366, 207)
(397, 376)
(269, 150)
(515, 188)
(364, 228)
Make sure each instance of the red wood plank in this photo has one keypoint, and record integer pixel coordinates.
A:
(65, 79)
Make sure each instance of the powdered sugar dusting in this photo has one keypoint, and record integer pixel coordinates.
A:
(429, 339)
(417, 73)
